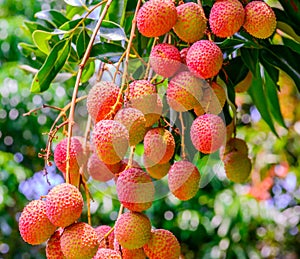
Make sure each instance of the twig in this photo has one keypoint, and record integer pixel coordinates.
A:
(182, 137)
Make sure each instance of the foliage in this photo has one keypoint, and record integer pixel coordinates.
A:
(223, 220)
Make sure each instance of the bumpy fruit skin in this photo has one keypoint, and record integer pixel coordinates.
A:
(156, 17)
(184, 91)
(34, 225)
(156, 171)
(159, 145)
(260, 19)
(183, 180)
(237, 167)
(191, 22)
(100, 171)
(105, 253)
(133, 253)
(208, 133)
(142, 95)
(234, 145)
(165, 59)
(79, 241)
(53, 249)
(109, 241)
(100, 100)
(204, 59)
(226, 17)
(162, 245)
(64, 204)
(135, 189)
(134, 121)
(77, 158)
(132, 230)
(111, 141)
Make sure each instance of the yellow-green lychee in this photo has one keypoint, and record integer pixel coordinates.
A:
(234, 145)
(155, 170)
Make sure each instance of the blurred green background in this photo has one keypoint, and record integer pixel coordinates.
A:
(225, 220)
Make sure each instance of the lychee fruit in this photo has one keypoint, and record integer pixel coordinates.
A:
(184, 91)
(102, 232)
(234, 145)
(260, 19)
(191, 22)
(142, 95)
(226, 17)
(159, 145)
(133, 253)
(64, 204)
(134, 121)
(183, 54)
(111, 141)
(105, 253)
(132, 230)
(237, 167)
(34, 225)
(183, 180)
(204, 59)
(155, 170)
(135, 189)
(165, 59)
(79, 241)
(156, 17)
(101, 99)
(162, 245)
(208, 133)
(53, 249)
(77, 158)
(100, 171)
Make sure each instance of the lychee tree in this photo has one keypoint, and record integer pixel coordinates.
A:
(138, 56)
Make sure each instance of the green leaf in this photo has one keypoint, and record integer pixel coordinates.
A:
(54, 17)
(82, 43)
(259, 99)
(41, 40)
(107, 51)
(88, 71)
(273, 101)
(250, 59)
(112, 31)
(292, 8)
(71, 11)
(33, 26)
(69, 25)
(28, 50)
(75, 2)
(293, 45)
(117, 11)
(284, 58)
(286, 28)
(52, 66)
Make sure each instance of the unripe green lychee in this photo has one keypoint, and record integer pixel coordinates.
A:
(162, 245)
(234, 145)
(260, 19)
(135, 189)
(191, 22)
(100, 171)
(204, 59)
(64, 204)
(208, 133)
(165, 59)
(142, 95)
(53, 249)
(111, 141)
(159, 145)
(34, 225)
(183, 180)
(156, 17)
(226, 17)
(132, 230)
(184, 91)
(77, 158)
(134, 121)
(155, 170)
(237, 167)
(79, 241)
(106, 253)
(106, 242)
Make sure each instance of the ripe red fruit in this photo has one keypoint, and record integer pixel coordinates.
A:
(204, 59)
(208, 133)
(34, 225)
(105, 253)
(53, 249)
(165, 59)
(156, 17)
(109, 241)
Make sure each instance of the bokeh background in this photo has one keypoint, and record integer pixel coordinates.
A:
(257, 220)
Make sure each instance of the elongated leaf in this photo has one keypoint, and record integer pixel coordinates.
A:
(286, 28)
(107, 51)
(273, 72)
(82, 43)
(69, 25)
(293, 45)
(75, 2)
(117, 11)
(52, 66)
(54, 17)
(112, 31)
(250, 58)
(41, 40)
(28, 50)
(33, 26)
(272, 98)
(292, 8)
(259, 99)
(88, 71)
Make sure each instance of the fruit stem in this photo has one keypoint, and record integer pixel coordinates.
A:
(88, 199)
(183, 153)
